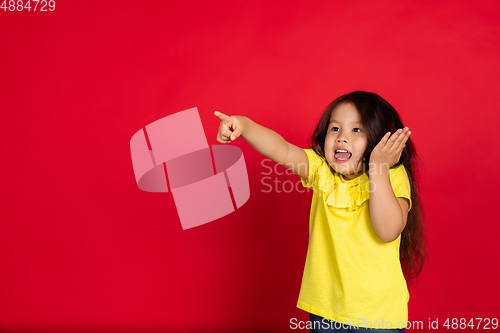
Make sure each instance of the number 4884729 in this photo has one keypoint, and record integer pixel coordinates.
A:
(35, 5)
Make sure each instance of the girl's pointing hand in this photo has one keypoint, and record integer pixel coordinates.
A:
(389, 149)
(230, 127)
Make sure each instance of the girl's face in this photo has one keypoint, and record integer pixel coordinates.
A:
(345, 131)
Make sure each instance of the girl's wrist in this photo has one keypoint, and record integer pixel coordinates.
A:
(378, 169)
(243, 122)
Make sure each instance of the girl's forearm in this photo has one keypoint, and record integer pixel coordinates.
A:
(264, 140)
(385, 212)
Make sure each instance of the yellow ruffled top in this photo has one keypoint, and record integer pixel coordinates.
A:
(349, 272)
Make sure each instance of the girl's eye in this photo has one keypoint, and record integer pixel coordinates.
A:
(355, 129)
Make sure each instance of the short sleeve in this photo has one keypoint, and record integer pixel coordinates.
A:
(315, 164)
(400, 183)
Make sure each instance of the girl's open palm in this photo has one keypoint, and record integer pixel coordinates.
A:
(230, 127)
(389, 149)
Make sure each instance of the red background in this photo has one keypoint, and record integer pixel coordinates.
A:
(82, 248)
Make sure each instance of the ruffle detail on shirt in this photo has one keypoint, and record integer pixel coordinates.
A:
(347, 194)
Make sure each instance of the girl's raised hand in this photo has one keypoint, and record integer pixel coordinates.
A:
(389, 149)
(230, 127)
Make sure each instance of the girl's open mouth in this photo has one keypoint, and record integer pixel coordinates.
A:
(342, 155)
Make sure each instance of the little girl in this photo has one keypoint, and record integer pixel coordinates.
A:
(366, 230)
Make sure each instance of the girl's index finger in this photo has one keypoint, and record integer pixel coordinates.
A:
(385, 138)
(220, 115)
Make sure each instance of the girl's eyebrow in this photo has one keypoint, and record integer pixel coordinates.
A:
(354, 122)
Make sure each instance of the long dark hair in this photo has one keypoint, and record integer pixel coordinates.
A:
(379, 117)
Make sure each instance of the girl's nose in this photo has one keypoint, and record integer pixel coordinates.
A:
(341, 138)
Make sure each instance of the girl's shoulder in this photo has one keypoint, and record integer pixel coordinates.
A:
(317, 163)
(398, 173)
(313, 156)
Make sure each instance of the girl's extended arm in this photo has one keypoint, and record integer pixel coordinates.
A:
(265, 141)
(388, 214)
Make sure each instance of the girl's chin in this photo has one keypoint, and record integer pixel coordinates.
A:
(346, 170)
